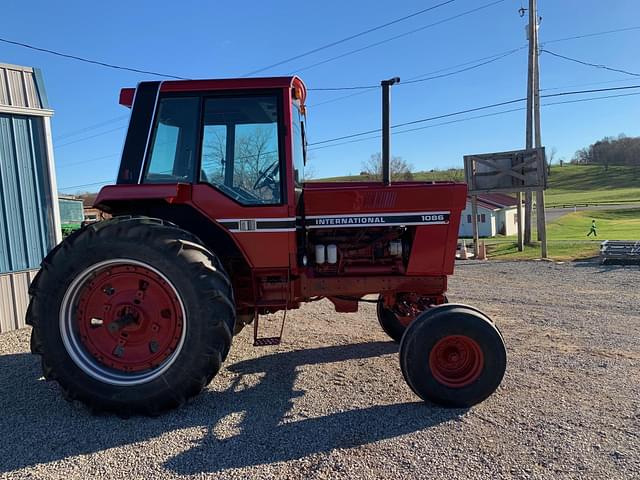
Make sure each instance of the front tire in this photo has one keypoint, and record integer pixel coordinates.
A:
(132, 316)
(453, 356)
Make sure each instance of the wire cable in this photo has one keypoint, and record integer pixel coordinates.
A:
(475, 109)
(395, 37)
(510, 52)
(346, 39)
(493, 57)
(588, 64)
(90, 127)
(587, 35)
(90, 137)
(65, 165)
(87, 60)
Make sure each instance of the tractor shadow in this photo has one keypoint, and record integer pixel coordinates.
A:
(38, 426)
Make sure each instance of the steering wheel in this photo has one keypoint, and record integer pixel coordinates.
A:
(266, 177)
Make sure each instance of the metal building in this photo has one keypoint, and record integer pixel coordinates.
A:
(29, 215)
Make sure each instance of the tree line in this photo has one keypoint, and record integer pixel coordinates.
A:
(620, 150)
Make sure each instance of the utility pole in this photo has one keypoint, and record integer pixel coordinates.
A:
(533, 134)
(540, 204)
(533, 47)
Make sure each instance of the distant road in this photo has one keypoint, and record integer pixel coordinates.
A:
(555, 213)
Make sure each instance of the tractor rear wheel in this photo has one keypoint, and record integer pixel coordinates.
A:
(395, 324)
(453, 356)
(132, 316)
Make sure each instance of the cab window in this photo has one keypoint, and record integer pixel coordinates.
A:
(172, 157)
(241, 148)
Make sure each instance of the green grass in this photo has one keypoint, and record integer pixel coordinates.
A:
(567, 236)
(612, 225)
(592, 184)
(568, 185)
(555, 249)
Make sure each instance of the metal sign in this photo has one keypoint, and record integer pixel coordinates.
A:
(507, 172)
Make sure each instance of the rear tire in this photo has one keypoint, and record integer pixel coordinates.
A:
(132, 315)
(453, 356)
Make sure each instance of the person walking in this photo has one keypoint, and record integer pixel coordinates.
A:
(593, 229)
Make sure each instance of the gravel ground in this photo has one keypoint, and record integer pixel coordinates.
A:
(331, 402)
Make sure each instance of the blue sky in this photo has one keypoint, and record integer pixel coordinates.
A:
(205, 39)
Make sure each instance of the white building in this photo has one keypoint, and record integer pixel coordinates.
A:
(497, 214)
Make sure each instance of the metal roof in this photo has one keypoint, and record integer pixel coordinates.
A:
(22, 91)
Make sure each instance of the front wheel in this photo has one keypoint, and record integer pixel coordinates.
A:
(132, 315)
(453, 356)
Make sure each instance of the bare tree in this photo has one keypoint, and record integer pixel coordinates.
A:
(253, 153)
(550, 156)
(309, 172)
(400, 170)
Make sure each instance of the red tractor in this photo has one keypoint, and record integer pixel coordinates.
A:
(213, 227)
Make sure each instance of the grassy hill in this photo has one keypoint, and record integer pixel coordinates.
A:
(573, 184)
(568, 185)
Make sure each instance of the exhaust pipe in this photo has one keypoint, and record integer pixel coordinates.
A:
(386, 128)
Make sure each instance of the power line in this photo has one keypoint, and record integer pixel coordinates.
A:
(595, 90)
(90, 127)
(595, 34)
(90, 137)
(461, 120)
(585, 84)
(346, 39)
(395, 37)
(604, 67)
(64, 165)
(470, 110)
(87, 60)
(85, 185)
(417, 79)
(493, 57)
(344, 137)
(511, 52)
(591, 99)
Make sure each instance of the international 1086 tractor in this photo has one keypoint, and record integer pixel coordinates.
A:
(213, 226)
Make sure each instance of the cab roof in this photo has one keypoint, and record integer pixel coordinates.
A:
(127, 94)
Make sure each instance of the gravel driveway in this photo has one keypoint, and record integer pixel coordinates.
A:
(331, 402)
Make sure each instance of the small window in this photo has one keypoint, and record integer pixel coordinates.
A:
(468, 218)
(240, 148)
(483, 219)
(172, 157)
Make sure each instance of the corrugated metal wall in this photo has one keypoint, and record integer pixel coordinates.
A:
(18, 87)
(14, 299)
(25, 229)
(29, 220)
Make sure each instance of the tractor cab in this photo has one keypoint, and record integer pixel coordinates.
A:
(240, 137)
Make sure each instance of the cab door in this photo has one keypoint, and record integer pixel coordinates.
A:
(242, 180)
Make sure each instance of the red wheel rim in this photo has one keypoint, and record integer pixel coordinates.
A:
(456, 361)
(128, 317)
